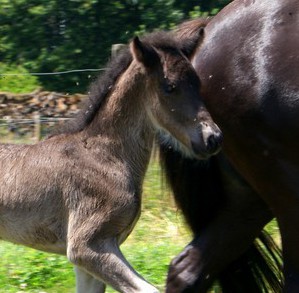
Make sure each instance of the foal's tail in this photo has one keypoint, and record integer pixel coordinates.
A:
(258, 270)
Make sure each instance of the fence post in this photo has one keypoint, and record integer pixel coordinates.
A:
(37, 127)
(116, 48)
(9, 128)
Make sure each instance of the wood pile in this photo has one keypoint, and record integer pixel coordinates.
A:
(47, 104)
(33, 115)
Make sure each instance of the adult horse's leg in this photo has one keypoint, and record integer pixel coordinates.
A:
(226, 216)
(85, 283)
(230, 258)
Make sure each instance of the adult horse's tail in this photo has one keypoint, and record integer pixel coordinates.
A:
(200, 193)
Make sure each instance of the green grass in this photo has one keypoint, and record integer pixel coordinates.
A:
(158, 236)
(28, 270)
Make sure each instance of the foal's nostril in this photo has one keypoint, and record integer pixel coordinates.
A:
(214, 142)
(209, 142)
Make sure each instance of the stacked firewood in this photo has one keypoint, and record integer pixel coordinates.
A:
(46, 104)
(33, 115)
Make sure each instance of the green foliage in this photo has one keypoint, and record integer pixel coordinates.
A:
(21, 83)
(197, 12)
(60, 35)
(27, 270)
(212, 5)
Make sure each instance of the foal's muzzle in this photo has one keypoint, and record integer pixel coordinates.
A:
(210, 142)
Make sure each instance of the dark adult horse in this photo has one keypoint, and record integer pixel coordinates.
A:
(248, 64)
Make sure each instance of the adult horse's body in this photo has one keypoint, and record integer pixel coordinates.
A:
(79, 192)
(248, 64)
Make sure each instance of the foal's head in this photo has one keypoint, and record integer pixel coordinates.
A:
(173, 102)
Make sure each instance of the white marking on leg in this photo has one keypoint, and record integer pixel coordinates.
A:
(85, 283)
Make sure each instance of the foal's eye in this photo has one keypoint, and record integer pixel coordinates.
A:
(169, 88)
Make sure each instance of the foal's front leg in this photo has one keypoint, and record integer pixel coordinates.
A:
(102, 259)
(85, 283)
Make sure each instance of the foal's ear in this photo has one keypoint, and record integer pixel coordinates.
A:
(144, 53)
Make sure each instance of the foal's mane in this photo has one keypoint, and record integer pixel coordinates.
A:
(190, 34)
(97, 93)
(102, 87)
(190, 27)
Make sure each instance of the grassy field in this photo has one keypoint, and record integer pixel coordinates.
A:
(159, 235)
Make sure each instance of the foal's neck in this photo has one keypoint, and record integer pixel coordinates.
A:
(123, 120)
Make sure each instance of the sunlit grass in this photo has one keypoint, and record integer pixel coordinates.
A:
(27, 270)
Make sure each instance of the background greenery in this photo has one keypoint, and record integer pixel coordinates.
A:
(60, 35)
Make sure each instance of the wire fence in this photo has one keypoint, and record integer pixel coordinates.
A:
(28, 121)
(34, 128)
(54, 73)
(27, 129)
(34, 115)
(115, 49)
(37, 126)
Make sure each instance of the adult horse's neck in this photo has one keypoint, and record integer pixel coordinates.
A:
(122, 124)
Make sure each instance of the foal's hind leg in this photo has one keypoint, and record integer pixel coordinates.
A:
(85, 283)
(103, 260)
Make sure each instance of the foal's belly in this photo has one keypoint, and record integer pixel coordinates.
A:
(43, 244)
(29, 230)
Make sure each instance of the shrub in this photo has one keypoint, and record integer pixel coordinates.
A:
(16, 79)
